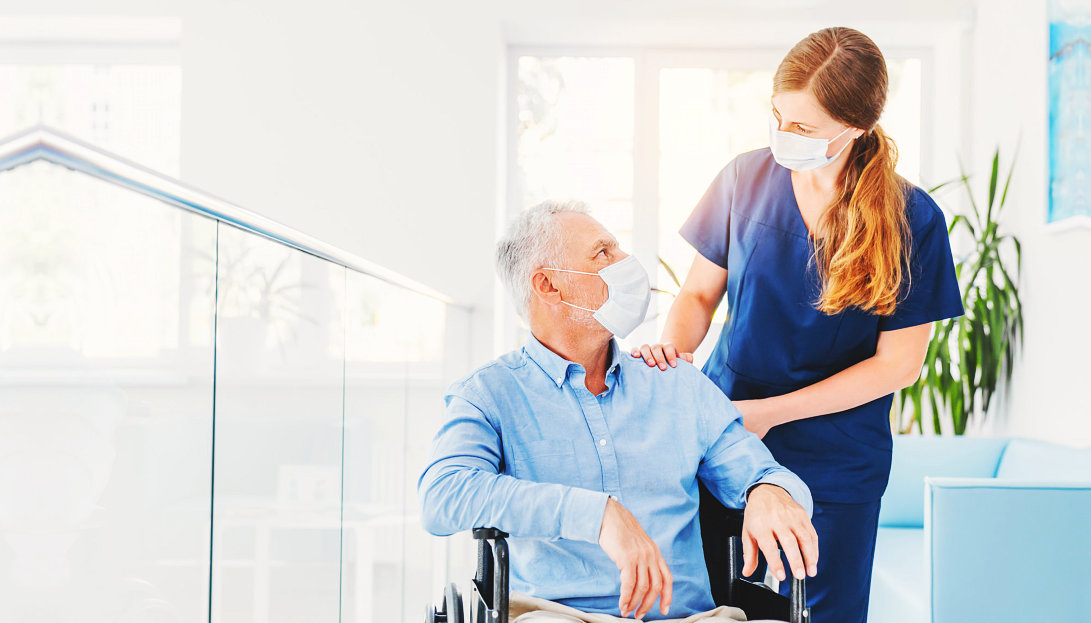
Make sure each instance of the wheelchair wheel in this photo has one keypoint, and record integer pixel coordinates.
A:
(450, 607)
(453, 601)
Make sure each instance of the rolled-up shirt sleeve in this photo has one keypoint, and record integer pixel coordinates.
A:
(735, 460)
(464, 487)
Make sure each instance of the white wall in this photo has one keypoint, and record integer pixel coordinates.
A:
(1049, 398)
(368, 125)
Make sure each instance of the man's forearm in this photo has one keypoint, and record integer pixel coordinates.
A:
(455, 498)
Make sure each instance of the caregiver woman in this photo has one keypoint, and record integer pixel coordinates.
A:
(834, 269)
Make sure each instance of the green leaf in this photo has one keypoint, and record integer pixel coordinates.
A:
(961, 218)
(1004, 195)
(940, 186)
(936, 427)
(992, 184)
(1018, 250)
(1016, 307)
(965, 179)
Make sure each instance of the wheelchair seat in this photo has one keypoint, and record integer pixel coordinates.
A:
(721, 529)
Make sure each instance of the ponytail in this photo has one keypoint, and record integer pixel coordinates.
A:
(862, 251)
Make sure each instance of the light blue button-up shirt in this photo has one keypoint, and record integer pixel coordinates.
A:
(526, 448)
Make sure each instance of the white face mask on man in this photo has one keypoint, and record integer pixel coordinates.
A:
(801, 153)
(630, 293)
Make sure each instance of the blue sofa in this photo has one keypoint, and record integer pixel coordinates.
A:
(983, 529)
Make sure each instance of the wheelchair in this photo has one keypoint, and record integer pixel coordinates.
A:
(721, 529)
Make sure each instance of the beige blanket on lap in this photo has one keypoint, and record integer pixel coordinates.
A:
(527, 609)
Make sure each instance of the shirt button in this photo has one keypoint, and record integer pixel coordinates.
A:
(613, 497)
(602, 442)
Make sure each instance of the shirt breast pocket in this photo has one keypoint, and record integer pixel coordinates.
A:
(546, 460)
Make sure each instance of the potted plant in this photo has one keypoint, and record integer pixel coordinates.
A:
(968, 356)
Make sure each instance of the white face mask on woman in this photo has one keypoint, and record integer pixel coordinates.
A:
(630, 293)
(800, 153)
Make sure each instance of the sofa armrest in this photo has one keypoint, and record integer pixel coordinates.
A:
(1000, 550)
(916, 457)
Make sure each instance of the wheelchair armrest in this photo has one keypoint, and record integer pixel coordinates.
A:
(491, 580)
(721, 529)
(489, 533)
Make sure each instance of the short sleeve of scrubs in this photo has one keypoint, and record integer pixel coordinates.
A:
(932, 292)
(706, 227)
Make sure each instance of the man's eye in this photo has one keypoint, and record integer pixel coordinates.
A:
(602, 252)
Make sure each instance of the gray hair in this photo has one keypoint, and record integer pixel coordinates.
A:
(533, 240)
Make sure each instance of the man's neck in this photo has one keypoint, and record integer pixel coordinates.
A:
(590, 351)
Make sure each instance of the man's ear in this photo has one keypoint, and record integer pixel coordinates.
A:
(544, 289)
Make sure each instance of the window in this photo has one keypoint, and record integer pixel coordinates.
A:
(119, 103)
(640, 136)
(575, 135)
(131, 110)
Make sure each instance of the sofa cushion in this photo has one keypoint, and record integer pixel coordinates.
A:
(899, 584)
(916, 457)
(1029, 459)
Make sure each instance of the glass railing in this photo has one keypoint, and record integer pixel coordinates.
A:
(204, 416)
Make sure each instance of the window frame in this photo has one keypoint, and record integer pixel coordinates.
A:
(55, 40)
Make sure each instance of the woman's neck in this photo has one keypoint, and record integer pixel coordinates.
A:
(823, 179)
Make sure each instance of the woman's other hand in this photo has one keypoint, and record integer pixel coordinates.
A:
(756, 416)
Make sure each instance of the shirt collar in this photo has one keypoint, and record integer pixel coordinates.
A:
(557, 367)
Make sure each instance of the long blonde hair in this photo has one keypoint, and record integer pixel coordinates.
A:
(863, 238)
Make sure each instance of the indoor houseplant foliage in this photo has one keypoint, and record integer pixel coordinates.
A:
(968, 356)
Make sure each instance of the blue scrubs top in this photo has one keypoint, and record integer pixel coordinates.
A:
(775, 341)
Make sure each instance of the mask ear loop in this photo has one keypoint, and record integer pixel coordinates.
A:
(839, 135)
(565, 270)
(578, 272)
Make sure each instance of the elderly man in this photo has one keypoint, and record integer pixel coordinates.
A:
(589, 459)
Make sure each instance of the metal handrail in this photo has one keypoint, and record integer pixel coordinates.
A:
(44, 143)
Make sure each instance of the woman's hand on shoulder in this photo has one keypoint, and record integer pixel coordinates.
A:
(661, 355)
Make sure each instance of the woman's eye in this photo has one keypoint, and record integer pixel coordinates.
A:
(803, 130)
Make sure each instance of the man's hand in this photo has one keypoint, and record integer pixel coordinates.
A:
(772, 516)
(644, 573)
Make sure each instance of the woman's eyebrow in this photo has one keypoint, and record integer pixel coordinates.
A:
(813, 127)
